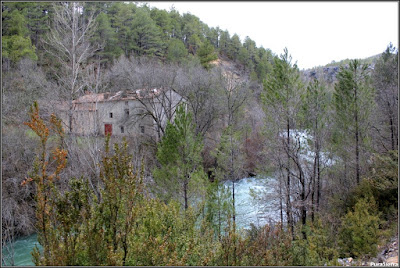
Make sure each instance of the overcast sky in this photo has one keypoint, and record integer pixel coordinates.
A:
(315, 33)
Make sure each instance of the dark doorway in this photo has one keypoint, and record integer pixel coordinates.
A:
(108, 129)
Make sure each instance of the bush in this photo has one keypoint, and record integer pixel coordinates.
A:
(358, 235)
(318, 249)
(381, 184)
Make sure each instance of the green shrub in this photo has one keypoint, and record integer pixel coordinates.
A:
(319, 247)
(381, 184)
(359, 233)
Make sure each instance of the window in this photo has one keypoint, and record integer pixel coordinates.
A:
(122, 129)
(111, 115)
(126, 112)
(142, 129)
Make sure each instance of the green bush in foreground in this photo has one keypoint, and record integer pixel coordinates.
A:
(359, 233)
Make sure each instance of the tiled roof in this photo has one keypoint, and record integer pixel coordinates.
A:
(120, 95)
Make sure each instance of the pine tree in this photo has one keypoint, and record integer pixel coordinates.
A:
(16, 43)
(146, 35)
(353, 99)
(105, 37)
(176, 51)
(179, 156)
(315, 112)
(121, 17)
(206, 54)
(282, 91)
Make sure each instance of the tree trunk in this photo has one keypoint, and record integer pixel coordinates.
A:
(280, 201)
(303, 205)
(288, 205)
(185, 185)
(313, 199)
(392, 130)
(357, 151)
(233, 202)
(318, 178)
(70, 115)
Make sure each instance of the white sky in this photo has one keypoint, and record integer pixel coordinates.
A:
(315, 33)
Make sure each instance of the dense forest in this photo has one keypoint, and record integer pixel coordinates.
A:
(328, 137)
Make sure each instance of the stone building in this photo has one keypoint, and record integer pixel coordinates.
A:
(124, 113)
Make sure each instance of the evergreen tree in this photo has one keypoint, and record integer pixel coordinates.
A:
(38, 19)
(163, 21)
(206, 54)
(191, 25)
(121, 16)
(105, 37)
(315, 112)
(179, 156)
(359, 232)
(224, 42)
(146, 35)
(353, 99)
(193, 44)
(176, 25)
(234, 47)
(176, 51)
(16, 43)
(282, 91)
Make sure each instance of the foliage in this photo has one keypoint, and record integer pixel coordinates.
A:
(16, 43)
(179, 156)
(269, 245)
(382, 185)
(106, 38)
(167, 235)
(134, 30)
(218, 207)
(319, 247)
(358, 235)
(44, 184)
(176, 51)
(206, 54)
(120, 227)
(121, 224)
(353, 100)
(146, 35)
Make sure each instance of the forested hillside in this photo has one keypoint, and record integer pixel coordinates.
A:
(325, 138)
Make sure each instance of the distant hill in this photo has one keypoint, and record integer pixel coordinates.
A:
(329, 71)
(370, 61)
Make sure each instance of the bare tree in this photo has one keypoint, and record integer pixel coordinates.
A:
(69, 43)
(230, 155)
(385, 81)
(7, 239)
(153, 83)
(203, 94)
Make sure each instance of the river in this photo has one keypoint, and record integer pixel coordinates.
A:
(248, 211)
(23, 247)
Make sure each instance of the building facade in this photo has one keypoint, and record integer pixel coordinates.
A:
(124, 113)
